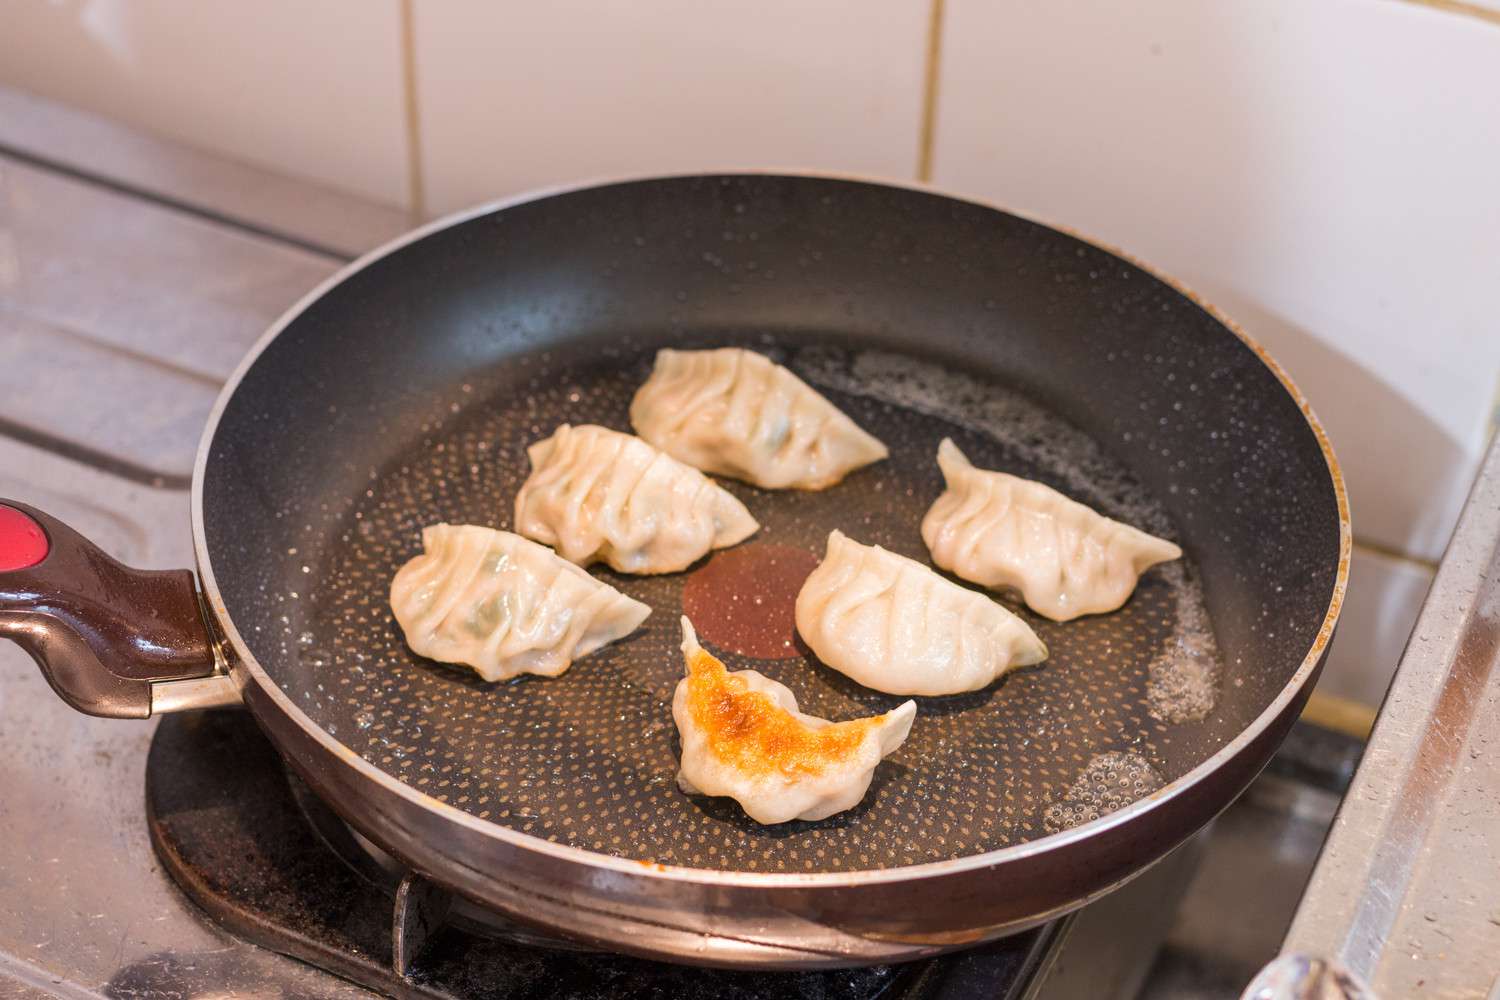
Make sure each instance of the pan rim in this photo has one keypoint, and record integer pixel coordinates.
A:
(638, 868)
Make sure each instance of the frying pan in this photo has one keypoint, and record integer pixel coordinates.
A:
(404, 391)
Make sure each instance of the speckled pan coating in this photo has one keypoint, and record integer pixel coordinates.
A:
(407, 393)
(589, 759)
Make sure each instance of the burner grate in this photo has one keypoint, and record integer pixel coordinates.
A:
(269, 862)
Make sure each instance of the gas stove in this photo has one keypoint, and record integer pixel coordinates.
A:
(269, 863)
(180, 858)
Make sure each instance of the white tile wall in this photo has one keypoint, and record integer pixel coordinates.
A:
(517, 96)
(1325, 171)
(1380, 609)
(310, 87)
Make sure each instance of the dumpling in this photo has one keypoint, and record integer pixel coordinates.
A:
(743, 737)
(493, 601)
(1004, 532)
(736, 413)
(894, 625)
(598, 495)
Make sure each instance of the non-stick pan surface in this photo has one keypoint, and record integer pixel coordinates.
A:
(589, 759)
(407, 394)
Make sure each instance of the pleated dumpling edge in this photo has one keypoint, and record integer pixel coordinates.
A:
(504, 605)
(600, 495)
(895, 625)
(736, 413)
(1004, 532)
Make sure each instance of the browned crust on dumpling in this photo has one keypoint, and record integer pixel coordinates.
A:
(754, 735)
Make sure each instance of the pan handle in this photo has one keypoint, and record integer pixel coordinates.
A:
(111, 640)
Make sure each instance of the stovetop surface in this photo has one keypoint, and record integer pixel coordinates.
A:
(272, 864)
(82, 896)
(119, 318)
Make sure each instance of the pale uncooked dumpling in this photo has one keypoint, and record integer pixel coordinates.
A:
(1007, 533)
(503, 605)
(895, 625)
(598, 495)
(743, 737)
(737, 413)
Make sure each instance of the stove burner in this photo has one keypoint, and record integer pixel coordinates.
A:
(269, 862)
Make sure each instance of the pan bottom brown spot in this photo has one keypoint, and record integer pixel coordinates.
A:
(744, 600)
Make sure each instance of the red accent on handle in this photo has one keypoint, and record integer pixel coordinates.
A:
(23, 543)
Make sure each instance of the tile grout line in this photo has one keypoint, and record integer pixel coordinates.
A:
(1461, 8)
(1396, 555)
(927, 140)
(1342, 715)
(927, 137)
(1494, 424)
(416, 194)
